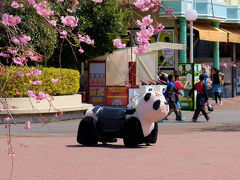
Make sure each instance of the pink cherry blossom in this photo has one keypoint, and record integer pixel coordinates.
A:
(140, 50)
(85, 39)
(15, 4)
(36, 82)
(169, 11)
(36, 72)
(88, 40)
(43, 9)
(10, 20)
(20, 60)
(20, 73)
(12, 51)
(31, 2)
(146, 21)
(123, 3)
(28, 74)
(24, 39)
(63, 34)
(118, 43)
(158, 28)
(9, 142)
(34, 56)
(69, 10)
(17, 93)
(32, 94)
(56, 116)
(54, 81)
(15, 40)
(60, 0)
(76, 3)
(81, 50)
(97, 1)
(12, 155)
(69, 21)
(21, 40)
(7, 119)
(27, 125)
(155, 9)
(42, 96)
(4, 54)
(145, 5)
(53, 22)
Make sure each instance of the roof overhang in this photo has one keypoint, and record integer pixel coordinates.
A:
(210, 33)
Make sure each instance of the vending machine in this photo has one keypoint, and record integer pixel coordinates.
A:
(188, 72)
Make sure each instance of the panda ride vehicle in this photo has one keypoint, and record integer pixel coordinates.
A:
(135, 126)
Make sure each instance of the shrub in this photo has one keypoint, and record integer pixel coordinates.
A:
(11, 81)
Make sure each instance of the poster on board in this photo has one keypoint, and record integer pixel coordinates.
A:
(117, 96)
(166, 57)
(97, 82)
(190, 73)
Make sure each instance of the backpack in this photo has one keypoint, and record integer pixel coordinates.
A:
(221, 78)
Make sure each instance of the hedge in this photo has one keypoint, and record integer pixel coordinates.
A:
(13, 85)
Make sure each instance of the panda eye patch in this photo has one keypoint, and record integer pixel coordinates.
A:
(147, 96)
(156, 104)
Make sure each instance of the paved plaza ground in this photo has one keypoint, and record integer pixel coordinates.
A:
(184, 151)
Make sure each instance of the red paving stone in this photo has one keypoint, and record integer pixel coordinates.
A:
(192, 155)
(228, 103)
(180, 154)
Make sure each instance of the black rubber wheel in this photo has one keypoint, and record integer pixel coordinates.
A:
(87, 132)
(152, 137)
(132, 132)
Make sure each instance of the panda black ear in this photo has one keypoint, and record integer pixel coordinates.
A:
(147, 96)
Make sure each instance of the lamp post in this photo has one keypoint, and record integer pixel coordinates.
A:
(191, 15)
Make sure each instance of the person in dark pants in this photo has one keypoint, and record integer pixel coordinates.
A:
(179, 86)
(216, 86)
(171, 96)
(202, 98)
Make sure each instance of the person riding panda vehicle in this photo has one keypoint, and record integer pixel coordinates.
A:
(136, 125)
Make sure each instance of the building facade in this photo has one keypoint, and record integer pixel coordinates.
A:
(216, 35)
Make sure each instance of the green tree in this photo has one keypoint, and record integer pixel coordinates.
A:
(102, 22)
(44, 37)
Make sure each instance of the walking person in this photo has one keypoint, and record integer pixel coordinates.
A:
(204, 72)
(217, 81)
(179, 86)
(202, 98)
(171, 97)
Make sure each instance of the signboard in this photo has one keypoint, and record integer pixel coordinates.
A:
(97, 74)
(96, 82)
(117, 96)
(97, 95)
(166, 57)
(190, 73)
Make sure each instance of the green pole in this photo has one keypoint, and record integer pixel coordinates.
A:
(216, 49)
(183, 38)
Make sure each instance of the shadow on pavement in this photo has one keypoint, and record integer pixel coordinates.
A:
(227, 128)
(112, 146)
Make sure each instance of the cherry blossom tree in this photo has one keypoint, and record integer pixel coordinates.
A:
(21, 50)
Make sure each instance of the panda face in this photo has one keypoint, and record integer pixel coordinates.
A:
(152, 107)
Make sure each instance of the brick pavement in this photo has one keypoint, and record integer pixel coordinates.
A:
(201, 153)
(186, 156)
(228, 103)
